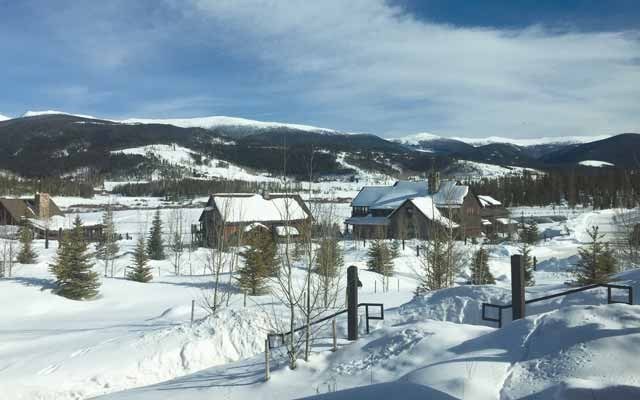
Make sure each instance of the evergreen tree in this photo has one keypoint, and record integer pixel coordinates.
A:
(380, 258)
(260, 262)
(596, 263)
(480, 274)
(26, 255)
(329, 263)
(107, 247)
(155, 245)
(530, 233)
(395, 249)
(527, 263)
(141, 271)
(72, 268)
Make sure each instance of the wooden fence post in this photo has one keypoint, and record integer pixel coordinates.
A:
(517, 287)
(335, 338)
(267, 372)
(352, 303)
(193, 305)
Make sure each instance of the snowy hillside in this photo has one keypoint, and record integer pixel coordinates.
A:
(183, 157)
(4, 117)
(475, 170)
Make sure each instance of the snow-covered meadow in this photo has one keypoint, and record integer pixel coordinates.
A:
(134, 335)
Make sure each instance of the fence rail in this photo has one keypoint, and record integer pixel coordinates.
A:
(610, 300)
(282, 336)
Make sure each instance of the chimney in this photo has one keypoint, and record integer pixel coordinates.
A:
(433, 182)
(42, 205)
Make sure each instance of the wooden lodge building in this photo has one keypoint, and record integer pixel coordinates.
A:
(42, 215)
(412, 209)
(227, 216)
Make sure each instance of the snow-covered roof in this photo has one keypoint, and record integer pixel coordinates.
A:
(390, 197)
(488, 201)
(450, 194)
(286, 231)
(486, 222)
(255, 208)
(53, 224)
(255, 225)
(507, 221)
(427, 207)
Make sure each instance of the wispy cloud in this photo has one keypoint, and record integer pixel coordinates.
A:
(365, 60)
(359, 65)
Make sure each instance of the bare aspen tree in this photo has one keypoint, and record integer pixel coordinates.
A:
(7, 253)
(176, 239)
(221, 255)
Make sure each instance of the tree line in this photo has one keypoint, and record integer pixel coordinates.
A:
(600, 188)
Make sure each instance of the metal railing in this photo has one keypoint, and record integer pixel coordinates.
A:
(610, 300)
(282, 336)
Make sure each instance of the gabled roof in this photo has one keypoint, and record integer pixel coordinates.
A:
(429, 209)
(17, 208)
(488, 201)
(26, 208)
(450, 194)
(255, 208)
(391, 197)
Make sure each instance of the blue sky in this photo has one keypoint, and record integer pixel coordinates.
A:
(451, 67)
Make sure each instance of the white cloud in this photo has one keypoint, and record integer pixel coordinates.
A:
(365, 64)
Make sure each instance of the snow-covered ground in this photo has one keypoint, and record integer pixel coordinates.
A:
(433, 346)
(595, 163)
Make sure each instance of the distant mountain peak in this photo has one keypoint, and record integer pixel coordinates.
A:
(218, 121)
(54, 112)
(4, 117)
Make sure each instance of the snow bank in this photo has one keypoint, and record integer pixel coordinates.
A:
(154, 356)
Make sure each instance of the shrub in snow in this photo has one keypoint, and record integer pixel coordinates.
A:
(155, 245)
(72, 268)
(27, 255)
(141, 271)
(596, 263)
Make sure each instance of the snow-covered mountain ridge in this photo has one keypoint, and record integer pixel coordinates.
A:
(212, 122)
(415, 139)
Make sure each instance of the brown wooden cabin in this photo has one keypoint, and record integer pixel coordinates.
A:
(35, 212)
(411, 209)
(231, 217)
